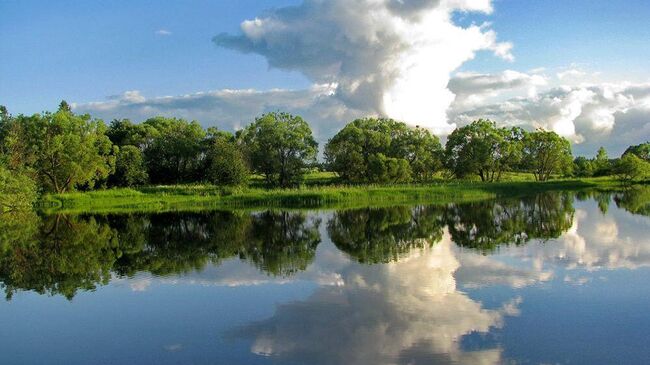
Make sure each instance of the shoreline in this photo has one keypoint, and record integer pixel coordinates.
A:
(207, 197)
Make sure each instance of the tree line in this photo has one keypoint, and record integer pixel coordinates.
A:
(63, 151)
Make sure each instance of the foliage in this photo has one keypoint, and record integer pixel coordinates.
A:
(383, 150)
(486, 225)
(546, 153)
(641, 151)
(483, 149)
(124, 133)
(381, 235)
(17, 191)
(583, 167)
(130, 169)
(64, 150)
(602, 165)
(175, 153)
(280, 147)
(227, 163)
(630, 167)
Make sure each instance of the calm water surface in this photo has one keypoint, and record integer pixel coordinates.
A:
(554, 278)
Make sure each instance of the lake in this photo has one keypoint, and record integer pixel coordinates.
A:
(554, 278)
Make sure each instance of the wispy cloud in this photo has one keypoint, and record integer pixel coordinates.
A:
(163, 32)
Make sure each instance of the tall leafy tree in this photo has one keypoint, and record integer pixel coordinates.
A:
(130, 169)
(64, 150)
(546, 153)
(176, 151)
(18, 192)
(583, 167)
(383, 150)
(602, 164)
(123, 132)
(227, 163)
(641, 151)
(280, 147)
(630, 167)
(421, 149)
(483, 149)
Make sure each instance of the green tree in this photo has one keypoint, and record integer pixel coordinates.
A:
(483, 149)
(130, 169)
(5, 123)
(601, 163)
(17, 191)
(176, 151)
(421, 149)
(124, 133)
(641, 151)
(227, 163)
(383, 150)
(280, 147)
(64, 150)
(630, 167)
(546, 153)
(65, 107)
(583, 167)
(388, 169)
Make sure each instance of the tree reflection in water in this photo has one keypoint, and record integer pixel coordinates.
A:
(380, 235)
(64, 254)
(486, 225)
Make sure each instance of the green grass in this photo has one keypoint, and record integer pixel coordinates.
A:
(201, 197)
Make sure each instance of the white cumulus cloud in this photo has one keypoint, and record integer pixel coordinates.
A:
(389, 57)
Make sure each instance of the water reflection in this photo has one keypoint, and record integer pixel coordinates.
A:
(64, 254)
(502, 281)
(382, 235)
(408, 311)
(57, 255)
(486, 225)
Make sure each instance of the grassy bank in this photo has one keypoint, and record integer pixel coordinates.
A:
(199, 197)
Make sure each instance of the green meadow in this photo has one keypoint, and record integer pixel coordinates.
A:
(317, 192)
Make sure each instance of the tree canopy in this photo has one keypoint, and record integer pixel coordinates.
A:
(280, 147)
(640, 150)
(64, 150)
(546, 153)
(483, 149)
(383, 150)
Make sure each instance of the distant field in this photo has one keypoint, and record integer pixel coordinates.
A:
(311, 195)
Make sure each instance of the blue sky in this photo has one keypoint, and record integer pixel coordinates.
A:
(88, 50)
(608, 36)
(95, 51)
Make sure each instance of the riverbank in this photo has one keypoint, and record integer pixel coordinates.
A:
(200, 197)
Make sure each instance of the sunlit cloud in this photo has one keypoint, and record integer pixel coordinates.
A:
(388, 57)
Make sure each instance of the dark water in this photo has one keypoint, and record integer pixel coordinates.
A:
(552, 278)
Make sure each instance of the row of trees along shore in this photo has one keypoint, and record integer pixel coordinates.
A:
(63, 151)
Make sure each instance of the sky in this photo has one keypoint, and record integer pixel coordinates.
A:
(578, 67)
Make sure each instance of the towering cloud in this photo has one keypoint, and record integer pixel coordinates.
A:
(388, 57)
